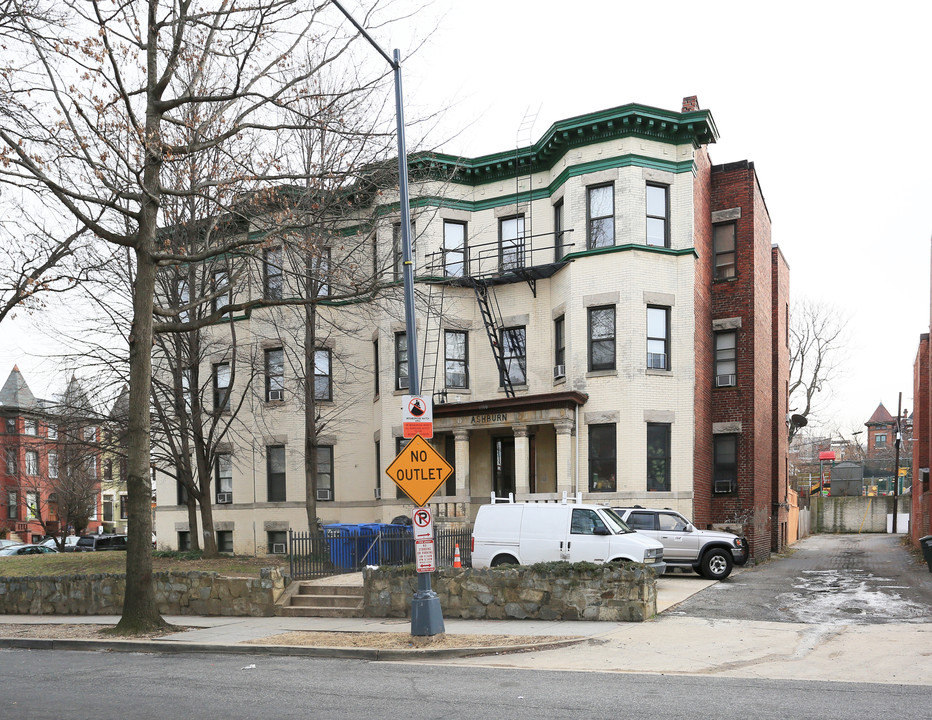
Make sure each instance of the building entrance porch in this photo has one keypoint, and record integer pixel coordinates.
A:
(519, 445)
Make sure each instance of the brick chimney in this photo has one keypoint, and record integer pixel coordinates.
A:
(690, 104)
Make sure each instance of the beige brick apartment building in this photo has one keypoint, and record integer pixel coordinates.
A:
(601, 312)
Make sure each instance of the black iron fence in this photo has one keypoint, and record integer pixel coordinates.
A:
(349, 548)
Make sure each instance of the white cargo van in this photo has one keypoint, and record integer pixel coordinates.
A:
(527, 533)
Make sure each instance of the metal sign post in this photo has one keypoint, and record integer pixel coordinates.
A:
(426, 618)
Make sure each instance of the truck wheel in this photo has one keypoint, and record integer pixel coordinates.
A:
(504, 560)
(717, 564)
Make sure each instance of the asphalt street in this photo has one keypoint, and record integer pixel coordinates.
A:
(826, 579)
(40, 685)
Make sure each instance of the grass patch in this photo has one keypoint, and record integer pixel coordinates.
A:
(100, 563)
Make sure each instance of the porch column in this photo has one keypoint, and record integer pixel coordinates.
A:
(564, 430)
(461, 460)
(522, 462)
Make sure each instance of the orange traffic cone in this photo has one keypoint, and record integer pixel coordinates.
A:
(456, 557)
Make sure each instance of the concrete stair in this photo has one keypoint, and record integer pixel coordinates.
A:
(316, 599)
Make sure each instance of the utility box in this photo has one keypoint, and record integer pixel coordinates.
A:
(847, 479)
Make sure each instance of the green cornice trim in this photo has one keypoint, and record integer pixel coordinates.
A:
(692, 128)
(439, 201)
(631, 246)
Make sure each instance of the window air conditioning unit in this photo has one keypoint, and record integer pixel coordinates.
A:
(657, 361)
(324, 495)
(724, 380)
(559, 371)
(224, 498)
(275, 394)
(278, 548)
(378, 493)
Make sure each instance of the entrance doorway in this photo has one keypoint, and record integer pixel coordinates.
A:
(503, 466)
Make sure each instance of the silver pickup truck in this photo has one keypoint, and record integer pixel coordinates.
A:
(710, 553)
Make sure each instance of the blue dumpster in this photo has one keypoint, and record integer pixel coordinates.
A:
(342, 539)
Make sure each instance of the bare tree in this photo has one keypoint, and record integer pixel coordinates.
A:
(817, 342)
(90, 130)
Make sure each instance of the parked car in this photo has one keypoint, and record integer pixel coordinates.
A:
(70, 542)
(8, 543)
(527, 533)
(711, 553)
(97, 543)
(25, 550)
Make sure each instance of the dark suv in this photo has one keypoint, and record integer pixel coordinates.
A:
(711, 553)
(92, 543)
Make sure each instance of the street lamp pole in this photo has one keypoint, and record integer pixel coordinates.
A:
(426, 615)
(896, 462)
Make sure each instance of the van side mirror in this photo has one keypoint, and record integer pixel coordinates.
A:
(601, 531)
(689, 527)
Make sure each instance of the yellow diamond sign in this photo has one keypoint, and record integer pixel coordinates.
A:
(419, 470)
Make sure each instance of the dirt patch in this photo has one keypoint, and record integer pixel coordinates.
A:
(377, 640)
(400, 641)
(63, 631)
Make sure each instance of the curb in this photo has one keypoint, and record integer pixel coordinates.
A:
(359, 653)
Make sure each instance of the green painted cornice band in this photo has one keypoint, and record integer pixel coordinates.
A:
(691, 128)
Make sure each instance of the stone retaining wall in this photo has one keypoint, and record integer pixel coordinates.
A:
(177, 593)
(549, 591)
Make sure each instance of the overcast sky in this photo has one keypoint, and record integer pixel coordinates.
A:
(829, 100)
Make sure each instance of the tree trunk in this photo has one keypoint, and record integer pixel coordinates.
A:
(194, 540)
(140, 611)
(310, 412)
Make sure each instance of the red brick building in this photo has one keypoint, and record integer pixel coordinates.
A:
(742, 360)
(921, 511)
(36, 460)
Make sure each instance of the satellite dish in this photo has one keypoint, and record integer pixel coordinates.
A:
(799, 421)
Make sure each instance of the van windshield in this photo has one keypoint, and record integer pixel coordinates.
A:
(615, 522)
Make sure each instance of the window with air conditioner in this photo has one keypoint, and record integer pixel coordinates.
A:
(325, 472)
(559, 371)
(725, 464)
(224, 498)
(277, 542)
(275, 374)
(658, 338)
(725, 358)
(223, 476)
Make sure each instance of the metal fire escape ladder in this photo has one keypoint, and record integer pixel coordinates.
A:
(433, 337)
(491, 318)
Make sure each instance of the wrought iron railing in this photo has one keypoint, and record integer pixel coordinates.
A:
(349, 548)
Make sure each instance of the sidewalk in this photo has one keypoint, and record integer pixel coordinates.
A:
(669, 644)
(226, 634)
